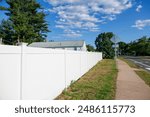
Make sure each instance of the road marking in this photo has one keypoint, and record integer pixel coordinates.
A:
(148, 68)
(140, 63)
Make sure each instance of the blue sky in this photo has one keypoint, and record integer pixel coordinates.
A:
(85, 19)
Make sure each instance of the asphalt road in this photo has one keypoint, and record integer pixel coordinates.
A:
(143, 62)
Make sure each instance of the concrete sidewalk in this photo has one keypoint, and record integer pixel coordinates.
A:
(129, 85)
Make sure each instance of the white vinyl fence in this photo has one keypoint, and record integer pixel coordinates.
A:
(39, 73)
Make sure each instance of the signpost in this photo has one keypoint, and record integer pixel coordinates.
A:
(115, 39)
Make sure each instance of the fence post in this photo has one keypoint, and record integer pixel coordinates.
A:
(23, 45)
(65, 69)
(80, 64)
(1, 41)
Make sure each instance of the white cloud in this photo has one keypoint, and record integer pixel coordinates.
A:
(60, 26)
(86, 14)
(140, 24)
(71, 33)
(109, 17)
(139, 7)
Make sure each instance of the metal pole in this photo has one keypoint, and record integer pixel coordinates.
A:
(115, 48)
(115, 51)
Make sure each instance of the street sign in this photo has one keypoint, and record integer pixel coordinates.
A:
(115, 39)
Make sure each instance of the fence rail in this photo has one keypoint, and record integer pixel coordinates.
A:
(39, 73)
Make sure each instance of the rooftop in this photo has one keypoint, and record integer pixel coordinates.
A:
(59, 44)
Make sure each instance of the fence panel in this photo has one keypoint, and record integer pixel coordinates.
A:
(39, 73)
(45, 77)
(72, 66)
(10, 69)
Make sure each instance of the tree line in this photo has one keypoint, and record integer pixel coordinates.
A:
(25, 23)
(139, 47)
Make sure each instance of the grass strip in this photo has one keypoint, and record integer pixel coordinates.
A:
(143, 74)
(130, 63)
(97, 84)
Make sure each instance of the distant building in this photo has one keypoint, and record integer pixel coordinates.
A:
(77, 45)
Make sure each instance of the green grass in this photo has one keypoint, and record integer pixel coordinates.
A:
(130, 63)
(143, 74)
(99, 83)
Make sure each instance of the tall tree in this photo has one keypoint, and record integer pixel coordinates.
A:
(105, 45)
(6, 32)
(122, 48)
(28, 23)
